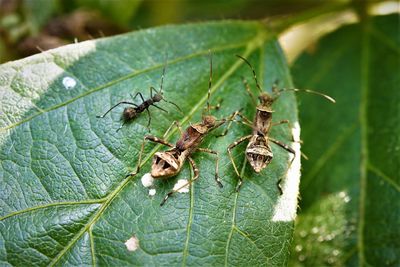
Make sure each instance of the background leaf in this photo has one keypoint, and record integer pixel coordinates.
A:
(64, 198)
(351, 185)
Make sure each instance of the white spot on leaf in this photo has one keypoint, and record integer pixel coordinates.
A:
(152, 192)
(285, 209)
(147, 180)
(132, 243)
(69, 82)
(179, 184)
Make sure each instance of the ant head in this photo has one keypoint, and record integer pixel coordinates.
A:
(128, 114)
(158, 97)
(209, 121)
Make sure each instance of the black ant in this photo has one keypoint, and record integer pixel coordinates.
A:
(131, 113)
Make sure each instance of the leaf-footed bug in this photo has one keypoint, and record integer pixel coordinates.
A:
(169, 163)
(131, 113)
(258, 151)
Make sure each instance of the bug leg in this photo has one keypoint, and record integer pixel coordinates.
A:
(231, 119)
(247, 87)
(288, 149)
(206, 150)
(218, 105)
(152, 139)
(280, 122)
(289, 127)
(230, 147)
(116, 105)
(174, 123)
(196, 176)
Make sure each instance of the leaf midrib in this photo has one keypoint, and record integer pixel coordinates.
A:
(251, 45)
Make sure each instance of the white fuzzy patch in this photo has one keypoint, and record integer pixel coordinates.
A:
(147, 180)
(285, 209)
(132, 243)
(179, 184)
(152, 192)
(69, 82)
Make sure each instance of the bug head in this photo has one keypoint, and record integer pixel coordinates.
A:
(128, 114)
(259, 153)
(165, 165)
(266, 99)
(209, 121)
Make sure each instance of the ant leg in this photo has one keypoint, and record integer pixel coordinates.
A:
(196, 176)
(151, 91)
(138, 94)
(116, 105)
(160, 108)
(148, 123)
(152, 139)
(230, 147)
(120, 127)
(206, 150)
(180, 110)
(288, 149)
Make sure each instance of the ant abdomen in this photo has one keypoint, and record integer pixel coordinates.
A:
(128, 114)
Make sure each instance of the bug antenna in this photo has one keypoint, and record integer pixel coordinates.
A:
(163, 73)
(209, 83)
(331, 99)
(252, 69)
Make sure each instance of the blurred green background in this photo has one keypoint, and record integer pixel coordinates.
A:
(29, 26)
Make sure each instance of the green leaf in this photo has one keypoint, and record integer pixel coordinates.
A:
(351, 185)
(64, 196)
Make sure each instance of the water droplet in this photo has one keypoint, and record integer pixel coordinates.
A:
(302, 257)
(147, 180)
(179, 184)
(298, 248)
(69, 82)
(132, 243)
(152, 192)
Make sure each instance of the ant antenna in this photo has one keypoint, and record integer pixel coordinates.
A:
(209, 83)
(254, 72)
(163, 73)
(307, 91)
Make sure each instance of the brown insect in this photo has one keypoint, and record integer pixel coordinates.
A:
(131, 113)
(169, 163)
(258, 151)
